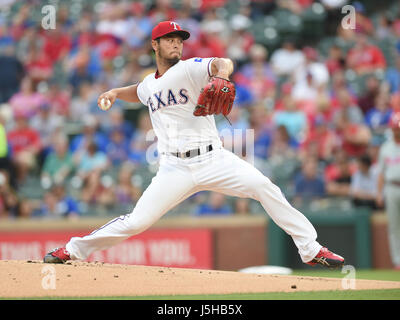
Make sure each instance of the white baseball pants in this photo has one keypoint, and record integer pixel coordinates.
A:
(219, 170)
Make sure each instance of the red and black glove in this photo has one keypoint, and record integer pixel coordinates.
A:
(216, 97)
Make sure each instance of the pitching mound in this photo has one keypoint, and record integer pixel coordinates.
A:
(74, 279)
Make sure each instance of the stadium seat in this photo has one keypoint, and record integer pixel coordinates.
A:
(325, 44)
(358, 82)
(31, 189)
(288, 24)
(388, 47)
(265, 32)
(313, 21)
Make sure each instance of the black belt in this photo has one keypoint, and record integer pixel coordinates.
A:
(191, 153)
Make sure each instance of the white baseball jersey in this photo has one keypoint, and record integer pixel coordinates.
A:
(171, 99)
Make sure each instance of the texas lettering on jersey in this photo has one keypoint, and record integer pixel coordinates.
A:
(159, 100)
(171, 99)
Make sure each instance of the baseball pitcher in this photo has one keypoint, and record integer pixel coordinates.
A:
(182, 97)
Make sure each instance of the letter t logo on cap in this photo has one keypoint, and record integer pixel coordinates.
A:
(175, 25)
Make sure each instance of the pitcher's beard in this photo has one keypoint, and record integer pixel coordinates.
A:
(172, 61)
(169, 61)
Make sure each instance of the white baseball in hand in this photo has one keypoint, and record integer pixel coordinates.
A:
(105, 104)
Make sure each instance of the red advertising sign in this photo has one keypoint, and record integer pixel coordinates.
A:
(185, 248)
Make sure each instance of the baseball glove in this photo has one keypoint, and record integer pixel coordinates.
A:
(216, 97)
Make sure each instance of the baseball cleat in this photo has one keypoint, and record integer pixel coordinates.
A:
(327, 258)
(58, 255)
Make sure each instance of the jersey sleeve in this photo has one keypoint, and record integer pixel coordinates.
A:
(141, 93)
(199, 69)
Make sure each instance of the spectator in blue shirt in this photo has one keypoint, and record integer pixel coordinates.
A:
(293, 119)
(143, 142)
(116, 121)
(216, 206)
(92, 160)
(378, 117)
(89, 133)
(117, 149)
(139, 25)
(393, 76)
(364, 184)
(309, 184)
(56, 204)
(258, 121)
(233, 134)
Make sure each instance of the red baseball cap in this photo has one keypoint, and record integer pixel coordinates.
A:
(394, 122)
(167, 27)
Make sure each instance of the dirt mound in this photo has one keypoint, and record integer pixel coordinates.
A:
(74, 279)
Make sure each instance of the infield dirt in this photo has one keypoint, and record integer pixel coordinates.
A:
(82, 279)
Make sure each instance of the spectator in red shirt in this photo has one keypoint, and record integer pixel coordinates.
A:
(321, 138)
(56, 44)
(365, 57)
(38, 66)
(207, 4)
(25, 146)
(59, 99)
(395, 102)
(367, 100)
(338, 174)
(336, 60)
(354, 136)
(207, 45)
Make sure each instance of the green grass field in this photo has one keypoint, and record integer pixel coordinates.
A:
(384, 275)
(321, 295)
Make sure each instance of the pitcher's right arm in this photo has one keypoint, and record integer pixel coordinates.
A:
(128, 94)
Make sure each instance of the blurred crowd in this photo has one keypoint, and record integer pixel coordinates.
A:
(319, 105)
